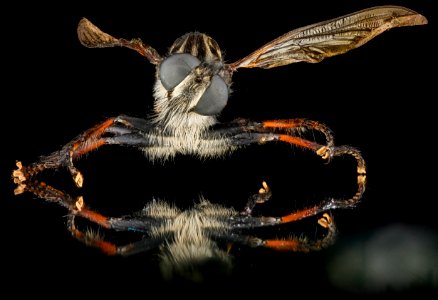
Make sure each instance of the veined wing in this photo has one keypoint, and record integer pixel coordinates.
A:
(315, 42)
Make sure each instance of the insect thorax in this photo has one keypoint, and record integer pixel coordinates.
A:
(205, 48)
(199, 45)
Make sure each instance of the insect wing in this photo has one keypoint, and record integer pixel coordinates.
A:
(315, 42)
(92, 37)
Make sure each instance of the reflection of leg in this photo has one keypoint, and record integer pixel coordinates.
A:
(77, 208)
(93, 239)
(303, 245)
(75, 205)
(291, 244)
(247, 221)
(261, 197)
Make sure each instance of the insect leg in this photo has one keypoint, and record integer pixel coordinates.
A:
(94, 239)
(247, 221)
(335, 203)
(361, 178)
(73, 204)
(246, 132)
(82, 144)
(292, 243)
(305, 245)
(261, 197)
(77, 208)
(291, 125)
(125, 131)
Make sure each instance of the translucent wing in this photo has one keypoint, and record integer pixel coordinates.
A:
(315, 42)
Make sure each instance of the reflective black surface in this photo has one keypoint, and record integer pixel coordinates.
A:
(377, 98)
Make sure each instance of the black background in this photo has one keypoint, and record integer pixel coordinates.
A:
(377, 98)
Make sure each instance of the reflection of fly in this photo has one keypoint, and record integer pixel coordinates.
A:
(189, 240)
(192, 88)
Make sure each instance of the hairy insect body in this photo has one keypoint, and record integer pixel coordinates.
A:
(189, 142)
(190, 225)
(188, 236)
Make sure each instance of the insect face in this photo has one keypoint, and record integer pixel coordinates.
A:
(192, 85)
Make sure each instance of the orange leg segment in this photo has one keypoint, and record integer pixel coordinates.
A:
(300, 215)
(90, 140)
(299, 142)
(93, 241)
(301, 124)
(283, 245)
(304, 245)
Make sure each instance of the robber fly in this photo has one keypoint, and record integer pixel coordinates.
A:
(192, 88)
(193, 85)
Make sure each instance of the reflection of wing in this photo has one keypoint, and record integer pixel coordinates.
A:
(315, 42)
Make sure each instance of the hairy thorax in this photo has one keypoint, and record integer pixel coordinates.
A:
(189, 232)
(179, 130)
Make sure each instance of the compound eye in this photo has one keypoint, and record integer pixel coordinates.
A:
(214, 99)
(175, 68)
